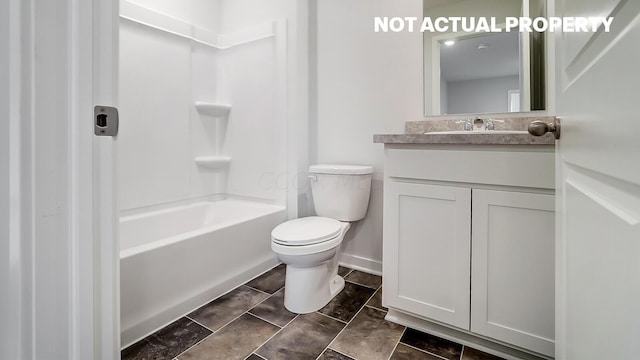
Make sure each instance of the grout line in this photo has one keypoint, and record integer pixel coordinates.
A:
(257, 276)
(331, 317)
(258, 355)
(197, 322)
(424, 351)
(252, 288)
(376, 308)
(339, 352)
(272, 336)
(256, 316)
(367, 286)
(194, 345)
(263, 300)
(348, 272)
(462, 352)
(346, 326)
(232, 320)
(290, 321)
(397, 342)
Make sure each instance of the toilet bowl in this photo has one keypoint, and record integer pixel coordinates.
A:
(309, 246)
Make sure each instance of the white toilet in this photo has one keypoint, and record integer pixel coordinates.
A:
(309, 245)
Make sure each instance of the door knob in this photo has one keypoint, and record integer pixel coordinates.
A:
(539, 128)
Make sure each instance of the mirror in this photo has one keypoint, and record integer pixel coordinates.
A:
(470, 72)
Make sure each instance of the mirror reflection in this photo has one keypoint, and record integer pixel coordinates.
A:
(484, 72)
(480, 74)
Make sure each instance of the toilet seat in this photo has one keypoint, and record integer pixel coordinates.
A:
(306, 231)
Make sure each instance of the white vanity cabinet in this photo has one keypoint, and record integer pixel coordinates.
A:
(469, 241)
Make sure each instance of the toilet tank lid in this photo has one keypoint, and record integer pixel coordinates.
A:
(341, 169)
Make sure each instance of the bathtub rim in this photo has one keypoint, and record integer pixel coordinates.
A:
(269, 209)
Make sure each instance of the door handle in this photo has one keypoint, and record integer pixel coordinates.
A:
(539, 128)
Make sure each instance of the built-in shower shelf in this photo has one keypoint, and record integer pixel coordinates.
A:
(213, 109)
(213, 162)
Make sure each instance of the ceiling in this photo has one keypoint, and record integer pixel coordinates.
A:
(464, 61)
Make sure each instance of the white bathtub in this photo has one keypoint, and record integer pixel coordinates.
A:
(174, 260)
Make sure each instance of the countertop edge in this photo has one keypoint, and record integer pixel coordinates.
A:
(465, 139)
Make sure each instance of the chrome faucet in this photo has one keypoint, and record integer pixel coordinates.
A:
(468, 125)
(489, 125)
(477, 123)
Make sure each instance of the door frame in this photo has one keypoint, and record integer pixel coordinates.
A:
(104, 61)
(61, 257)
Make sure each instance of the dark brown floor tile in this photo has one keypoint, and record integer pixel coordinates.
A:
(304, 338)
(273, 310)
(403, 352)
(167, 342)
(346, 304)
(220, 311)
(343, 271)
(376, 300)
(334, 355)
(271, 281)
(432, 344)
(362, 278)
(237, 340)
(369, 336)
(254, 357)
(473, 354)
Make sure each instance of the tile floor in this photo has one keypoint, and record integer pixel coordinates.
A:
(251, 322)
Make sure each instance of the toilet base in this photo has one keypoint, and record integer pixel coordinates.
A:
(309, 289)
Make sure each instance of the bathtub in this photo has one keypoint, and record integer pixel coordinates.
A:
(175, 260)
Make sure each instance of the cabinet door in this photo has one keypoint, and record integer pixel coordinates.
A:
(512, 282)
(427, 250)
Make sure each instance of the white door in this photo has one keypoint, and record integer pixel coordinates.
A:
(512, 257)
(427, 231)
(598, 183)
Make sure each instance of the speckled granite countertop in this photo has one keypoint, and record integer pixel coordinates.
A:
(415, 133)
(474, 139)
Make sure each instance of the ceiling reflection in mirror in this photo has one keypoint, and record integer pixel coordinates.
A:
(484, 72)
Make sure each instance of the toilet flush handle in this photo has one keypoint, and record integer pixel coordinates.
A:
(312, 177)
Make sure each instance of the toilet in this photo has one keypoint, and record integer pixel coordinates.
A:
(309, 246)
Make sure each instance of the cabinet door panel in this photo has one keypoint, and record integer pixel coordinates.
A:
(427, 249)
(512, 285)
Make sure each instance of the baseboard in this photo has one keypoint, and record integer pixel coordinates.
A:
(361, 263)
(160, 320)
(461, 337)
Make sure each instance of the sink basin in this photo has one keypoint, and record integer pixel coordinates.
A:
(489, 132)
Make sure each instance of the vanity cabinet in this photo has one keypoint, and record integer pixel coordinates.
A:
(469, 240)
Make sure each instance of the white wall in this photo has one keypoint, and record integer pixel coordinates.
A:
(251, 81)
(204, 14)
(162, 76)
(481, 95)
(239, 14)
(7, 349)
(444, 95)
(362, 83)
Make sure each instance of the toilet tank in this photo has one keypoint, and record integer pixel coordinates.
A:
(341, 192)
